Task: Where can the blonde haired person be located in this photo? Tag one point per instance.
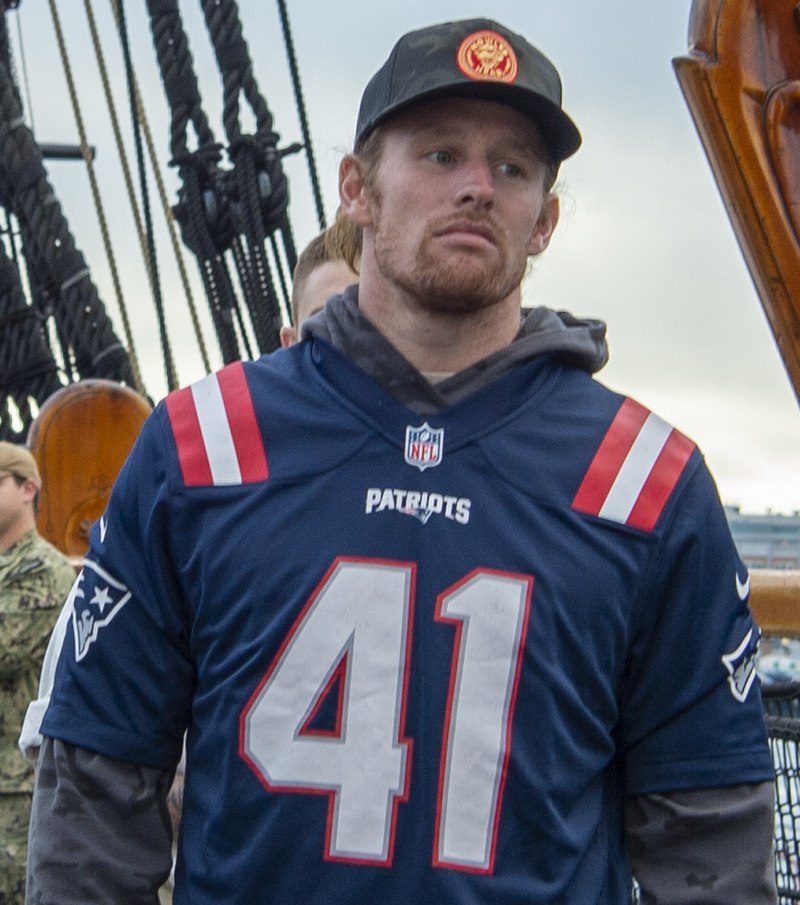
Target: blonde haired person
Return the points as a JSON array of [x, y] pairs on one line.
[[325, 267]]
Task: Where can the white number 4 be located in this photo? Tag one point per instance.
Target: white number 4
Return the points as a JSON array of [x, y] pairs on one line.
[[356, 630]]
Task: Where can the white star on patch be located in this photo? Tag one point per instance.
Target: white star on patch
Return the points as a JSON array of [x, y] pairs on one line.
[[102, 598]]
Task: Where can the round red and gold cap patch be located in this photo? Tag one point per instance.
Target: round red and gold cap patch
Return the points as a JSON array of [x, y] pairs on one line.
[[486, 56]]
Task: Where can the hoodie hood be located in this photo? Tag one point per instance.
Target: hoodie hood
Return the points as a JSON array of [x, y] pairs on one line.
[[579, 342]]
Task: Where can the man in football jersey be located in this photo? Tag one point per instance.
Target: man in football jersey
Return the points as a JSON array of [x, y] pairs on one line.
[[444, 619]]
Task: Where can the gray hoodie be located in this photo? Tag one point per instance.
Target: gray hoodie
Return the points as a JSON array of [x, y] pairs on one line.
[[581, 342]]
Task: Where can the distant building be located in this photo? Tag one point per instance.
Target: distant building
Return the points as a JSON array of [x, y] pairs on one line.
[[767, 541]]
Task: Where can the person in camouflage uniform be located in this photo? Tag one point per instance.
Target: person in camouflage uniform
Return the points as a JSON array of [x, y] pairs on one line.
[[35, 579]]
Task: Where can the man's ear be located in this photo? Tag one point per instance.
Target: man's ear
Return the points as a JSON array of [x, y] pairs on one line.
[[288, 336], [352, 193], [29, 489], [548, 219]]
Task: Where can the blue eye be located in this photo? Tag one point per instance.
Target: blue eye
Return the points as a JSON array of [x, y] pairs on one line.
[[440, 156], [511, 169]]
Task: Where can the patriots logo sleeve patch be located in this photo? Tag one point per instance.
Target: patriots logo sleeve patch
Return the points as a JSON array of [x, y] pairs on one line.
[[96, 598], [216, 432], [635, 469]]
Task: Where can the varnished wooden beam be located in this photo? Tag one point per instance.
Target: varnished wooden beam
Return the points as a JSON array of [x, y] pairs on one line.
[[741, 81], [775, 600]]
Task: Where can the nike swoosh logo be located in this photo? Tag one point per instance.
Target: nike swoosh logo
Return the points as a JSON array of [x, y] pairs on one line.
[[742, 587], [104, 528]]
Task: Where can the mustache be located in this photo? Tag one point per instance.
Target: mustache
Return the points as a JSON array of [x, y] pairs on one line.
[[482, 225]]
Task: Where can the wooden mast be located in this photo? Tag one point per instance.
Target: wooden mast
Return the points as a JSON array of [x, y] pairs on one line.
[[741, 81]]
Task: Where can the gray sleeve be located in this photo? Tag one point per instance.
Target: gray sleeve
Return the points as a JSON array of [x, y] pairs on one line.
[[710, 846], [100, 832]]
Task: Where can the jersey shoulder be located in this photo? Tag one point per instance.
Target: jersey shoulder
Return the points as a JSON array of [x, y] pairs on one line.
[[636, 464], [254, 421], [606, 455]]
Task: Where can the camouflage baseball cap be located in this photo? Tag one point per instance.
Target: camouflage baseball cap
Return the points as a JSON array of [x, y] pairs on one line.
[[470, 58], [17, 460]]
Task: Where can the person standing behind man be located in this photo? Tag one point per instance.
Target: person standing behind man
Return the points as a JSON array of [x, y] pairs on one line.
[[325, 267], [35, 579]]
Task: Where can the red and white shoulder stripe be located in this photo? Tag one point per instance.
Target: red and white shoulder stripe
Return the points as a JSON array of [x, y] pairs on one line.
[[635, 469], [216, 432]]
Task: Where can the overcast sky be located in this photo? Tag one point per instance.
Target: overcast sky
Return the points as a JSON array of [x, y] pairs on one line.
[[644, 241]]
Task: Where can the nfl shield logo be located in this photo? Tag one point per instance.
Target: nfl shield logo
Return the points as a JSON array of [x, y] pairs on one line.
[[424, 446]]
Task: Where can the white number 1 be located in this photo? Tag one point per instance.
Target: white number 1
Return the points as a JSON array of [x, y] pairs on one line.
[[356, 630]]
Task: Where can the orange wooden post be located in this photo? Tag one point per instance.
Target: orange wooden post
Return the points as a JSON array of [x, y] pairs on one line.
[[775, 600], [80, 439]]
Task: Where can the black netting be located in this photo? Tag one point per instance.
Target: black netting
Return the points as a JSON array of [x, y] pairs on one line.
[[782, 706]]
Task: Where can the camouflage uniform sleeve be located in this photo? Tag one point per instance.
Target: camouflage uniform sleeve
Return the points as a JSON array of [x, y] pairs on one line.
[[30, 737], [704, 846], [100, 831], [34, 583], [35, 579]]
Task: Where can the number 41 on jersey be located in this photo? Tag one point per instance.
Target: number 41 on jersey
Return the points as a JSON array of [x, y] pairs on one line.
[[356, 630]]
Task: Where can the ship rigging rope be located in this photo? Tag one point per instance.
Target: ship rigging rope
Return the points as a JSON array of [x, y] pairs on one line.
[[142, 120], [177, 250], [144, 236], [301, 114], [59, 278], [87, 156], [166, 349], [8, 60], [25, 81], [202, 209], [257, 185], [123, 157], [28, 369], [239, 213]]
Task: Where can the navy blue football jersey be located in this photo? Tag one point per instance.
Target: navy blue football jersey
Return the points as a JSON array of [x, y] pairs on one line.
[[417, 660]]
